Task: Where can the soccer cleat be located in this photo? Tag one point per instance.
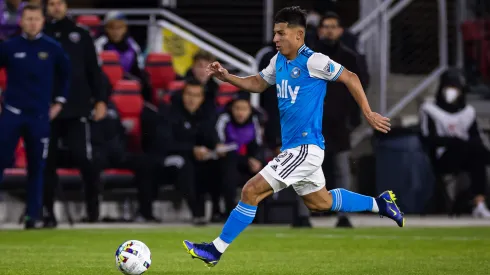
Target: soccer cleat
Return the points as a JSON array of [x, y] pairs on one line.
[[205, 252], [388, 208]]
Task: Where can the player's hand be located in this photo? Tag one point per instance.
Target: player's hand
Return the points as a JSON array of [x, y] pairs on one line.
[[200, 152], [378, 122], [255, 165], [55, 110], [100, 111], [215, 69]]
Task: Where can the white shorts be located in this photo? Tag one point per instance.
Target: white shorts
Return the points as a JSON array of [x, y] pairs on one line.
[[300, 167]]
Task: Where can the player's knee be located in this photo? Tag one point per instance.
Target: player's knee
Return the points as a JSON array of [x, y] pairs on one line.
[[249, 193]]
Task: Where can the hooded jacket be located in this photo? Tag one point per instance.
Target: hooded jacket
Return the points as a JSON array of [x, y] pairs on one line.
[[246, 135], [447, 125]]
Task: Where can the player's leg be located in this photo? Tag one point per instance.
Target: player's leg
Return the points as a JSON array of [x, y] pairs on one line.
[[254, 191], [10, 133], [51, 178], [318, 199], [36, 138]]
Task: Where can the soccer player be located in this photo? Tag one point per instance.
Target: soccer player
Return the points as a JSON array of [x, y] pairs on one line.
[[301, 77], [32, 61]]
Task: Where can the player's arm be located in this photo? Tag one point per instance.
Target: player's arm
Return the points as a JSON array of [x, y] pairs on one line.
[[254, 83], [321, 66]]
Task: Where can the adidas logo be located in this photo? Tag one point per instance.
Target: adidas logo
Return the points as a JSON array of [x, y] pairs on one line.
[[274, 167]]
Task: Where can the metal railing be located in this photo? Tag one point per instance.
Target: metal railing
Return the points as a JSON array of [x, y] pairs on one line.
[[201, 38], [367, 27]]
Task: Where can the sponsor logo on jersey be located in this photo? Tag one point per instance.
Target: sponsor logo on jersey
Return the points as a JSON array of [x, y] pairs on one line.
[[286, 91], [329, 68]]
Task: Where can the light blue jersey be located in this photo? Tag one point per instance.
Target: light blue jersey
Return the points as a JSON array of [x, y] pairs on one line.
[[301, 88]]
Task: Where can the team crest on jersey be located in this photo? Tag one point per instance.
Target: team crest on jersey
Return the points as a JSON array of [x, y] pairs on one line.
[[295, 72], [330, 68], [74, 37], [42, 55]]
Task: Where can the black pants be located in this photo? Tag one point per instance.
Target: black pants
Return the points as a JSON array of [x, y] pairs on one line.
[[74, 134], [233, 171], [190, 177], [142, 167], [470, 158]]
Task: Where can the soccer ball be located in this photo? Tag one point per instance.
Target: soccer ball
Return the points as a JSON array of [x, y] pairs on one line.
[[133, 258]]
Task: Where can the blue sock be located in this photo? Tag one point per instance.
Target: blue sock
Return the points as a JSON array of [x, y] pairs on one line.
[[347, 201], [239, 219]]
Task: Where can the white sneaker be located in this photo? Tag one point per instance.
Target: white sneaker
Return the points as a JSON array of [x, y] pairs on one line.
[[481, 211]]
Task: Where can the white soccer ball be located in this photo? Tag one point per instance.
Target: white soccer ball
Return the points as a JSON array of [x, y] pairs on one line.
[[133, 258]]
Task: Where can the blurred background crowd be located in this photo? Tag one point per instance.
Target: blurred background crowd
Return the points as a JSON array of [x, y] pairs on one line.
[[145, 134]]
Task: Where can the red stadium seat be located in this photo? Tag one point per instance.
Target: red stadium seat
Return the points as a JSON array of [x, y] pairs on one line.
[[89, 20], [226, 93], [159, 68], [129, 102], [173, 88], [3, 79], [111, 66], [92, 22]]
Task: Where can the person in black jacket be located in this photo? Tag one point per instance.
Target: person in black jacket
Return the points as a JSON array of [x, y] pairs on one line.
[[187, 139], [340, 108], [451, 134], [72, 127]]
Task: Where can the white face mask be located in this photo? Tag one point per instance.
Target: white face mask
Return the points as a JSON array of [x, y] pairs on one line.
[[450, 94]]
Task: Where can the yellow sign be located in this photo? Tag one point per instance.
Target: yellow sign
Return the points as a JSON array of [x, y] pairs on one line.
[[181, 50]]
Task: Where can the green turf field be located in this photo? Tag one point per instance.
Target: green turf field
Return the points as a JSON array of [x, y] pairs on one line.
[[259, 250]]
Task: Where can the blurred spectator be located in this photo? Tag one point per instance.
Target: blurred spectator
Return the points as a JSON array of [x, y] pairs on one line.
[[33, 61], [10, 13], [186, 140], [110, 149], [117, 38], [198, 72], [451, 133], [312, 22], [339, 108], [238, 125], [72, 128]]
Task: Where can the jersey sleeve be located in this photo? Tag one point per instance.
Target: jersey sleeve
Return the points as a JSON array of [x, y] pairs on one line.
[[269, 73], [322, 67]]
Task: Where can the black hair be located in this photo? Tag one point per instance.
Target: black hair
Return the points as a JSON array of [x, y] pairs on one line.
[[32, 7], [191, 81], [293, 16], [331, 15]]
